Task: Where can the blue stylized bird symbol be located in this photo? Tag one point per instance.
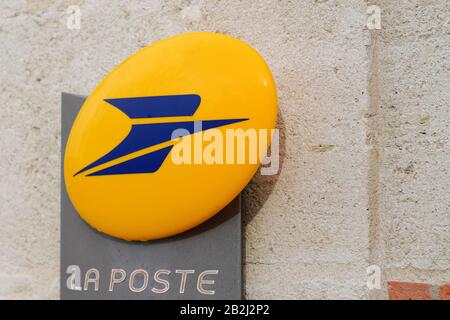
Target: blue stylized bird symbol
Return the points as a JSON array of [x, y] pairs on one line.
[[146, 135]]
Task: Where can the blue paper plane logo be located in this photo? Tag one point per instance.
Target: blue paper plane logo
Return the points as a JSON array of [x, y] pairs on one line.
[[146, 135]]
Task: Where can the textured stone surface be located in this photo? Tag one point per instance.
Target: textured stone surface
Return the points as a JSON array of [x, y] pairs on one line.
[[414, 204], [309, 239], [364, 123]]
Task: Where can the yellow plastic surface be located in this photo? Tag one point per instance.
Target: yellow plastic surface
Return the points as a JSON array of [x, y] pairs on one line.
[[232, 80]]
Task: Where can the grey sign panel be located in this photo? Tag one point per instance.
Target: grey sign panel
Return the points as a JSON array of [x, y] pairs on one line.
[[203, 263]]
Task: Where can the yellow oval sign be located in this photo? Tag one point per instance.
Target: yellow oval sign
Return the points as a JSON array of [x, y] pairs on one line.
[[167, 139]]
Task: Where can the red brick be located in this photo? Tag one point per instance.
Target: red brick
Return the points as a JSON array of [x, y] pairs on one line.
[[399, 290], [445, 292]]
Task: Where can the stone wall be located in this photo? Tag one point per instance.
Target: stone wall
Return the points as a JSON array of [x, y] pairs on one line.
[[364, 120]]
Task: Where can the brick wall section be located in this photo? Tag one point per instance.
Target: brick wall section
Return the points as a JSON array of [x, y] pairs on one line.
[[409, 291], [399, 290], [445, 292]]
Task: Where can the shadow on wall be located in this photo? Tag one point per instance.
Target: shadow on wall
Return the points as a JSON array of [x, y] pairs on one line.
[[257, 192], [260, 187]]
